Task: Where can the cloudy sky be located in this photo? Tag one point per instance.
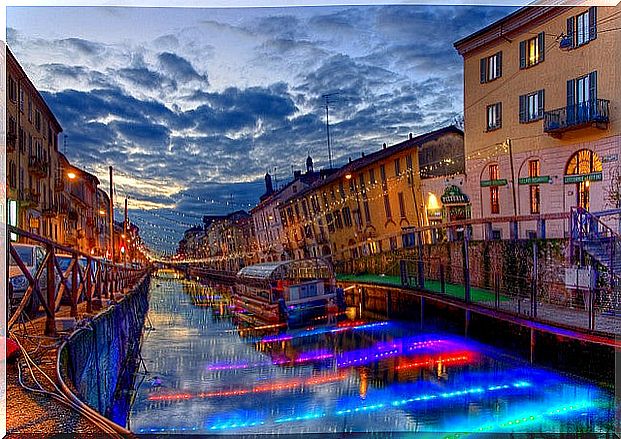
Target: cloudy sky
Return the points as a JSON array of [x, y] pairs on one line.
[[193, 106]]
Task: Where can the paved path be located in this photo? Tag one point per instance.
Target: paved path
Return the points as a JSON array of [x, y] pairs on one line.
[[546, 312], [30, 412]]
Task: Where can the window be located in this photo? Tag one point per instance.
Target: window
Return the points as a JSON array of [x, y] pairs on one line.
[[21, 100], [532, 51], [29, 110], [494, 190], [408, 165], [535, 201], [372, 176], [361, 184], [347, 217], [330, 222], [367, 212], [582, 28], [531, 106], [491, 67], [341, 190], [12, 89], [581, 97], [383, 173], [401, 205], [397, 167], [494, 116], [38, 120], [338, 222], [387, 207]]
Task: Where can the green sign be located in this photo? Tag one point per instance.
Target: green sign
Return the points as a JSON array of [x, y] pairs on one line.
[[487, 183], [535, 180], [578, 178], [453, 195]]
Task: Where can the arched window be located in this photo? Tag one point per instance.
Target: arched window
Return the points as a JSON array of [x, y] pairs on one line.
[[584, 161]]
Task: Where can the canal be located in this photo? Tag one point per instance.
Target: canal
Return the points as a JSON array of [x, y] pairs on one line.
[[207, 374]]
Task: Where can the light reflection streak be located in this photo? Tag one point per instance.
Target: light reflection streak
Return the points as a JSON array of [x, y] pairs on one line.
[[319, 331]]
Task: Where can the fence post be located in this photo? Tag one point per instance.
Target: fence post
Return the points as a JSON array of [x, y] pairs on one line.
[[535, 280], [74, 287], [442, 281], [89, 285], [50, 321], [403, 268], [466, 266], [497, 290], [421, 275]]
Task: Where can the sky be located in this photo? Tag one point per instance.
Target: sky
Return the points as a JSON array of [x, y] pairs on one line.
[[192, 106]]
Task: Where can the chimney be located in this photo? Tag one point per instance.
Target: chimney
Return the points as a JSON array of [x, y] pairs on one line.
[[410, 136], [297, 174], [362, 153], [269, 189], [350, 160], [384, 146]]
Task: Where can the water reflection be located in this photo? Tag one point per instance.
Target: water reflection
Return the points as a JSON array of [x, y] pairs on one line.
[[218, 376]]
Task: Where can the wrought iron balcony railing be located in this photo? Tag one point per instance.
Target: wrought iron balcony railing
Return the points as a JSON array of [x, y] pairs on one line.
[[575, 116], [37, 166]]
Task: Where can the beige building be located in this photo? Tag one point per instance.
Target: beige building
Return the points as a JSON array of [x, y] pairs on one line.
[[541, 108], [363, 207], [31, 161]]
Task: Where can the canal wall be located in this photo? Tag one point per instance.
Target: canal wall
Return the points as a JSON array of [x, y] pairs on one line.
[[542, 345], [98, 360]]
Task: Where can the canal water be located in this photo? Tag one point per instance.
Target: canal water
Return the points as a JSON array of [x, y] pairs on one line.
[[207, 373]]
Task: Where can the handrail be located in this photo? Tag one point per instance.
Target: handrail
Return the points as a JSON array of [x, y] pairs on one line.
[[49, 283]]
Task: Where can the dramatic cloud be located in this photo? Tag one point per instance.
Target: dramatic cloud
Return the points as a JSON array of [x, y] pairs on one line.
[[195, 107]]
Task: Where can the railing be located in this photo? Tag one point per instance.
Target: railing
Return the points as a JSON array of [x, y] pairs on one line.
[[594, 111], [85, 279], [37, 166]]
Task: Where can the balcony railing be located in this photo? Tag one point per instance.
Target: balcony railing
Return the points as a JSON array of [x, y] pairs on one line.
[[575, 116], [37, 166]]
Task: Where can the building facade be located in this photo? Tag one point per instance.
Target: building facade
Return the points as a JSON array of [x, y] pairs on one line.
[[541, 111]]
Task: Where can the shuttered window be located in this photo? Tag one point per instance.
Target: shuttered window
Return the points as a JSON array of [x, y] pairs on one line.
[[491, 67], [532, 51], [532, 106], [494, 116]]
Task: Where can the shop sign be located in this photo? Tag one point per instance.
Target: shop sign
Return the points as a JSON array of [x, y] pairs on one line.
[[453, 195], [578, 178], [34, 222], [610, 158], [488, 183], [535, 180]]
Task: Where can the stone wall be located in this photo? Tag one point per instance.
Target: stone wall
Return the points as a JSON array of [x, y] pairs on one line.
[[98, 359]]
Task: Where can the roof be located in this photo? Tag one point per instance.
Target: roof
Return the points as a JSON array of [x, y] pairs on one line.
[[516, 21], [11, 57], [294, 269], [383, 153]]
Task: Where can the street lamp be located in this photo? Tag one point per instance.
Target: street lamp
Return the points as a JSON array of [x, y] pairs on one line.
[[71, 175]]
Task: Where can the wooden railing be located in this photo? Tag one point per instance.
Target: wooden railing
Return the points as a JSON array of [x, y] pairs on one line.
[[86, 278]]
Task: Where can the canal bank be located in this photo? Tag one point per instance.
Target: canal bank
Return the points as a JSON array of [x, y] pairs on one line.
[[590, 354], [209, 375]]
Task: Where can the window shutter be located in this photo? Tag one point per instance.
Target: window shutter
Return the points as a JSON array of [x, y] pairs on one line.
[[498, 114], [499, 64], [592, 23], [571, 100], [541, 42], [483, 70], [570, 30], [523, 108], [540, 107], [593, 86], [522, 54]]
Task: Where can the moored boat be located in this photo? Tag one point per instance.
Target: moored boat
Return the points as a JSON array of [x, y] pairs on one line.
[[292, 292]]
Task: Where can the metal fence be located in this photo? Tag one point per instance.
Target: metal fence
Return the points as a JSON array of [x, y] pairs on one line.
[[46, 285]]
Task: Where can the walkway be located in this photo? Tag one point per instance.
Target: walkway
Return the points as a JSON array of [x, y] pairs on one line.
[[546, 312]]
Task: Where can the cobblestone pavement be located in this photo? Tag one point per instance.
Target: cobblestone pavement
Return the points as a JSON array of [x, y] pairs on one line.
[[30, 412]]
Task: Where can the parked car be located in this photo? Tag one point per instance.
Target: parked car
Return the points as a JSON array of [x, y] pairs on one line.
[[32, 256]]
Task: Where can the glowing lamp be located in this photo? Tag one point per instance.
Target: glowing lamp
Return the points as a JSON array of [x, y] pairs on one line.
[[348, 176], [71, 175]]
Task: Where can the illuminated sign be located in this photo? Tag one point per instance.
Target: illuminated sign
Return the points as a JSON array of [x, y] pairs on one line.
[[535, 180], [578, 178], [489, 183], [453, 195]]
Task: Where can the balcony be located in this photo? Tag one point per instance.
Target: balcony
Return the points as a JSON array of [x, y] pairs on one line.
[[591, 113], [29, 198], [37, 166]]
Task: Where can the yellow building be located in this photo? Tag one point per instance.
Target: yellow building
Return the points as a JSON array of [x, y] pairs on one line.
[[31, 161], [362, 207], [541, 109]]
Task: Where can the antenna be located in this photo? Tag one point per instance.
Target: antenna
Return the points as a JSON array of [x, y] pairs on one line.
[[329, 98]]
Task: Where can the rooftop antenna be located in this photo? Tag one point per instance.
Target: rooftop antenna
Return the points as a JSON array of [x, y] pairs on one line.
[[329, 99]]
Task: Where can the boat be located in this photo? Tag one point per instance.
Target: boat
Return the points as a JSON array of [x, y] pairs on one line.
[[295, 292]]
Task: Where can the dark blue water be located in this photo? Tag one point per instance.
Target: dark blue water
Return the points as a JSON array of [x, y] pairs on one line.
[[346, 377]]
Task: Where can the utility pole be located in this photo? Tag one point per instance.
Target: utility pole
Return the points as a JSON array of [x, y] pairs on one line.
[[111, 219], [329, 98], [515, 211]]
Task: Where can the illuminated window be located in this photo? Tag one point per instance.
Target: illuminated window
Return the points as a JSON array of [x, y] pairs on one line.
[[535, 198], [397, 167], [531, 106], [532, 51], [494, 190]]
